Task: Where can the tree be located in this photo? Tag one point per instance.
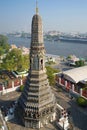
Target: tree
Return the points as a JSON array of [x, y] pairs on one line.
[[81, 101], [4, 46], [14, 60], [25, 62], [1, 51], [21, 88], [50, 73], [69, 57], [80, 63]]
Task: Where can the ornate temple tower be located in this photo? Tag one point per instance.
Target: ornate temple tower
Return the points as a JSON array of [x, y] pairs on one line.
[[36, 105]]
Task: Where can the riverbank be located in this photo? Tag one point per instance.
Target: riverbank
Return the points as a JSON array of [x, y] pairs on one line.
[[55, 48]]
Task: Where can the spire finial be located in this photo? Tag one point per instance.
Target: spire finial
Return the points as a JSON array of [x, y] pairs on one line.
[[36, 7]]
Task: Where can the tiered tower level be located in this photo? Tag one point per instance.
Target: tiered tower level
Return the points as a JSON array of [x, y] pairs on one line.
[[36, 106]]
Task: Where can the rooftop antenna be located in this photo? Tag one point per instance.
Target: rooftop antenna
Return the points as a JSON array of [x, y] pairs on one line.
[[36, 7]]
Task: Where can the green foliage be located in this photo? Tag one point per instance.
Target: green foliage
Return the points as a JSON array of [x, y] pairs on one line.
[[21, 88], [14, 60], [1, 51], [85, 87], [69, 57], [50, 62], [50, 73], [4, 46], [81, 101], [25, 62], [60, 90], [80, 63]]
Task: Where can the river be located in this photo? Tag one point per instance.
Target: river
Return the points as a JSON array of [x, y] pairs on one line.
[[60, 48]]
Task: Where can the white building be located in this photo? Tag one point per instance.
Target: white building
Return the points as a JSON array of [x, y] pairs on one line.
[[70, 79]]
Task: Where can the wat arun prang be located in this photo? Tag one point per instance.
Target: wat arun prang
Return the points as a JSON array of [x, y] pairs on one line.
[[36, 105]]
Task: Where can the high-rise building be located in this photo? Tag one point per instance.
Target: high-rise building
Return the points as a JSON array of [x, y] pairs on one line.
[[36, 105]]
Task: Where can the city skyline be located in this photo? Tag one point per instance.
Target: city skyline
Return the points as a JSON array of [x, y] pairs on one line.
[[66, 16]]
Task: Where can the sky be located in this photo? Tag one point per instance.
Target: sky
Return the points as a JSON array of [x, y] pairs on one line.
[[59, 15]]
